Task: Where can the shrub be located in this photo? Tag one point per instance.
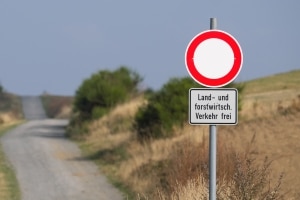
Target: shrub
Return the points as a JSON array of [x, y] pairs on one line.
[[77, 128], [103, 90], [98, 94], [167, 108]]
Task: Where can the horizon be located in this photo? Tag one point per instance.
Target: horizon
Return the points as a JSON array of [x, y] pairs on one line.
[[238, 82]]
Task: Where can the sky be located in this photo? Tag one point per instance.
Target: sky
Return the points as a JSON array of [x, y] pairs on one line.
[[52, 46]]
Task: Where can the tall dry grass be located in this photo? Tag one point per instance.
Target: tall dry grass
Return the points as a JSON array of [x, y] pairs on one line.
[[177, 167], [240, 175]]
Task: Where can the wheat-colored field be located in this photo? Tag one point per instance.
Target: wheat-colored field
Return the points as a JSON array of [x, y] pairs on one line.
[[268, 127]]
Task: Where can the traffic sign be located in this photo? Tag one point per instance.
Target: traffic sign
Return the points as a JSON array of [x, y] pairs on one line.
[[213, 58], [213, 106]]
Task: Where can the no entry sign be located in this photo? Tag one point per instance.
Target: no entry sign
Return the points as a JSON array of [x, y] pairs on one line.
[[213, 58]]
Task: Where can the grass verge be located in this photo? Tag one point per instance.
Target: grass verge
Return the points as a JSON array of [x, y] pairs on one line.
[[107, 166], [9, 188]]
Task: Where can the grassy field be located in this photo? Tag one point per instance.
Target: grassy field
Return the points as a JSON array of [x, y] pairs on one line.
[[265, 96], [277, 82], [263, 144]]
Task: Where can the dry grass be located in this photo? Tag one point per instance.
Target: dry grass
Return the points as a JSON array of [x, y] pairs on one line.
[[112, 134], [168, 164], [263, 96], [240, 175], [266, 104], [176, 168], [285, 81], [7, 118]]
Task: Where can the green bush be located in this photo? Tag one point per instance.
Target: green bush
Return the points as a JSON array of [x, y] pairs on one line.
[[98, 94], [77, 128], [167, 108], [103, 90]]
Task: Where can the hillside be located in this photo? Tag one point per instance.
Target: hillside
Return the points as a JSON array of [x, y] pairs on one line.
[[267, 127], [264, 96], [283, 81], [165, 168]]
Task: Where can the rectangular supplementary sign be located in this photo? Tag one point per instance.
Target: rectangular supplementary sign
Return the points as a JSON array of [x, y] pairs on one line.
[[213, 106]]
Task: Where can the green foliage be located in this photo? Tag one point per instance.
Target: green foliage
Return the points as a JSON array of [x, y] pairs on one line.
[[98, 94], [167, 108], [103, 90], [77, 128]]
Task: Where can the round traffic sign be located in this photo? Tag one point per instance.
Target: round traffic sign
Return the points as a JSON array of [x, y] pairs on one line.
[[213, 58]]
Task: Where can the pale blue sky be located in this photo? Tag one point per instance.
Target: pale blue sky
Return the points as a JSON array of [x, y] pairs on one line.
[[53, 45]]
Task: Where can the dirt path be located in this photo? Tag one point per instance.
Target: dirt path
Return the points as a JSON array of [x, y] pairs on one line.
[[48, 166]]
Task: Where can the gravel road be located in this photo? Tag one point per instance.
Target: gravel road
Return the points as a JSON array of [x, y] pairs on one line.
[[48, 166]]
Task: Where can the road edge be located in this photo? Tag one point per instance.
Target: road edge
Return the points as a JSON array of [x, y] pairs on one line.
[[12, 189]]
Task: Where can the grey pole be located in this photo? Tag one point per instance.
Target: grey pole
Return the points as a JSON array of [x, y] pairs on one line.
[[212, 162], [213, 23], [213, 146]]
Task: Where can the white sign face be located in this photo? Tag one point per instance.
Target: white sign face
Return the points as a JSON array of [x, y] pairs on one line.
[[214, 58], [213, 106]]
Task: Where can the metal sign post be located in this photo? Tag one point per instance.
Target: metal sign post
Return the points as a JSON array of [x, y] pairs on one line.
[[212, 162], [213, 58], [213, 146]]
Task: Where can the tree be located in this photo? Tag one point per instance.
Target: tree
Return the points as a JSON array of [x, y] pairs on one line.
[[103, 90]]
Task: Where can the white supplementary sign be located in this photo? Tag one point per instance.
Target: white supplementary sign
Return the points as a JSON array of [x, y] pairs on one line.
[[213, 106]]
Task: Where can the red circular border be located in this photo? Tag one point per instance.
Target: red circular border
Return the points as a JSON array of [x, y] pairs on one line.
[[209, 82]]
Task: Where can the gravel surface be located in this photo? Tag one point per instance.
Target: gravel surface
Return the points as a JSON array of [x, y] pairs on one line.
[[48, 166]]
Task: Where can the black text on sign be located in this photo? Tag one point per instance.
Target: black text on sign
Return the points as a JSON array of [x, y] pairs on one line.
[[213, 106]]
